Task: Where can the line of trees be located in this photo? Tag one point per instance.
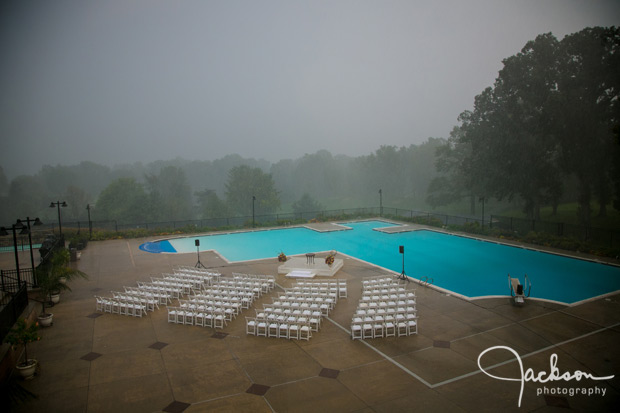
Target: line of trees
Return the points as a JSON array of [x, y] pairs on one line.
[[179, 189], [550, 124]]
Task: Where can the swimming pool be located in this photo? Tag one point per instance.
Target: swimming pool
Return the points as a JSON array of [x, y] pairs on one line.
[[470, 267]]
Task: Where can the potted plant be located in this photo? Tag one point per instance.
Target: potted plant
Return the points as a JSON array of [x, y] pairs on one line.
[[22, 334], [53, 277], [282, 257]]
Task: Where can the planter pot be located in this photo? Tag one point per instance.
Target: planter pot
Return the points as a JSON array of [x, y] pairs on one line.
[[55, 298], [45, 320], [62, 280], [28, 369]]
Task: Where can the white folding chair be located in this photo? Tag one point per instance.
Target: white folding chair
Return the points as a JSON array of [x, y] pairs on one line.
[[356, 331], [250, 326], [305, 332], [283, 330], [272, 330], [261, 328]]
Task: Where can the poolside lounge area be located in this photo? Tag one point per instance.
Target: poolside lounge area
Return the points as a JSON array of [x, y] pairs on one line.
[[101, 362]]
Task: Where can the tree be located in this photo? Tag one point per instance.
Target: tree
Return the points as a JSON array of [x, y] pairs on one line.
[[244, 182], [125, 201], [210, 205], [586, 110], [306, 204], [170, 194]]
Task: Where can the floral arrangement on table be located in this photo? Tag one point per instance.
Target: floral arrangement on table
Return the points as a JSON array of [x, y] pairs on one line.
[[282, 257], [329, 260]]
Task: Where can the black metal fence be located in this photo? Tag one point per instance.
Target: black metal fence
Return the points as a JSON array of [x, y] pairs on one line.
[[13, 300]]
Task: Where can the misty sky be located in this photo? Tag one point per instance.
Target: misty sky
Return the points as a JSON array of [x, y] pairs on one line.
[[123, 81]]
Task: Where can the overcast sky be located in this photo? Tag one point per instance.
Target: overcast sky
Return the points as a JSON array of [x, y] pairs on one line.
[[123, 81]]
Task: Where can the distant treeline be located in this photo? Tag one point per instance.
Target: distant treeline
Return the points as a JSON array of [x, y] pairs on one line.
[[180, 189]]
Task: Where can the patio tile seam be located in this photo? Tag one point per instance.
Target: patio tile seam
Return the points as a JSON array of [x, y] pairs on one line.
[[386, 357], [533, 353]]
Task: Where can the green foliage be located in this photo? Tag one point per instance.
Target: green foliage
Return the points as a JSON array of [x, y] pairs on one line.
[[125, 201], [51, 272], [306, 204], [243, 184], [210, 205], [22, 334]]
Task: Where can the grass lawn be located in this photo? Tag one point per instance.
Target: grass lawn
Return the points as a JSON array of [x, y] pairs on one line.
[[567, 213]]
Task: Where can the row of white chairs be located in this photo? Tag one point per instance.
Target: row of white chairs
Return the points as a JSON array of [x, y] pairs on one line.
[[185, 286], [378, 329], [269, 279], [244, 299], [259, 287], [230, 308], [307, 316], [197, 281], [174, 292], [121, 307], [385, 304], [295, 330], [383, 311], [213, 319], [161, 296], [256, 292], [378, 280], [324, 307], [197, 271], [148, 302], [206, 276], [300, 298]]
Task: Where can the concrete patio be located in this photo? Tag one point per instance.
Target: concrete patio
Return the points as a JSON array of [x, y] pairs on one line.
[[93, 362]]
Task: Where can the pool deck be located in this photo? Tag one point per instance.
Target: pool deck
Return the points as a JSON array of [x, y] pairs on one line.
[[109, 363]]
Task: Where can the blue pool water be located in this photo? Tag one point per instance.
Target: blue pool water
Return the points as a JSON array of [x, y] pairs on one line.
[[466, 266]]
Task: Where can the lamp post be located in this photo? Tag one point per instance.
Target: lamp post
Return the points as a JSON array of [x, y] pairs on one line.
[[253, 200], [380, 203], [35, 222], [59, 204], [90, 223], [482, 199], [14, 228]]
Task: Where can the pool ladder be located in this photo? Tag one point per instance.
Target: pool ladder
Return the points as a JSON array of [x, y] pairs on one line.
[[426, 281]]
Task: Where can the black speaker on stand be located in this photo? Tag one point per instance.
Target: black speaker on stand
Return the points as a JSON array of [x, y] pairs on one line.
[[402, 275], [198, 264]]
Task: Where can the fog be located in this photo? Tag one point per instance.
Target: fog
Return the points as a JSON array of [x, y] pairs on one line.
[[119, 82]]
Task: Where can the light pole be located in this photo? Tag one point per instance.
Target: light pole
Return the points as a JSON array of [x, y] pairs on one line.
[[59, 204], [35, 222], [90, 223], [482, 200], [253, 200], [14, 228], [380, 203]]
